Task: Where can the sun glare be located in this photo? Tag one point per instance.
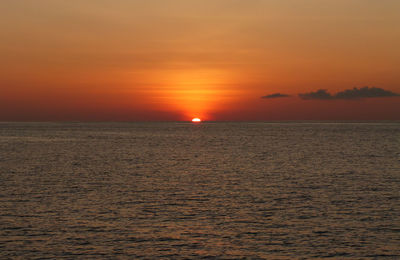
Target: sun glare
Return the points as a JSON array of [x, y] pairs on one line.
[[196, 120]]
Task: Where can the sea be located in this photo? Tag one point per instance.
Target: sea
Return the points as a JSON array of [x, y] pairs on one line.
[[213, 190]]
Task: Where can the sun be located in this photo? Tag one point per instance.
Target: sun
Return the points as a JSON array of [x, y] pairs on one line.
[[196, 120]]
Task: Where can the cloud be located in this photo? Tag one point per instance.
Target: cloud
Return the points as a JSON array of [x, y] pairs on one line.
[[355, 93], [276, 95], [319, 94], [365, 92]]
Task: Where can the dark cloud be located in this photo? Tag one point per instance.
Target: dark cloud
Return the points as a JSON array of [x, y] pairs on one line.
[[276, 95], [355, 93], [365, 92], [319, 94]]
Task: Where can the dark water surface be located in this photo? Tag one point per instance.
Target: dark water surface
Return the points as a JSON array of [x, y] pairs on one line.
[[178, 190]]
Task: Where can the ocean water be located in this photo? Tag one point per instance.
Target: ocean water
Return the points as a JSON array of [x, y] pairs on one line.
[[212, 190]]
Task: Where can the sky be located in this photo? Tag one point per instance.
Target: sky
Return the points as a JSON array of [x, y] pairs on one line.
[[220, 60]]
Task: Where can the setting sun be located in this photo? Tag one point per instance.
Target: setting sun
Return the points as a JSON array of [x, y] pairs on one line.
[[196, 120]]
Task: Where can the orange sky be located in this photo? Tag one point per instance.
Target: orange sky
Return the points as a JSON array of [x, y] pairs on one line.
[[176, 59]]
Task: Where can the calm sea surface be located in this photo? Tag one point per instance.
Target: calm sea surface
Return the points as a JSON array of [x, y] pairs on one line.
[[179, 190]]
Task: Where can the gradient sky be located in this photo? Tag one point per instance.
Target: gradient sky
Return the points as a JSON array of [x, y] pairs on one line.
[[178, 59]]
